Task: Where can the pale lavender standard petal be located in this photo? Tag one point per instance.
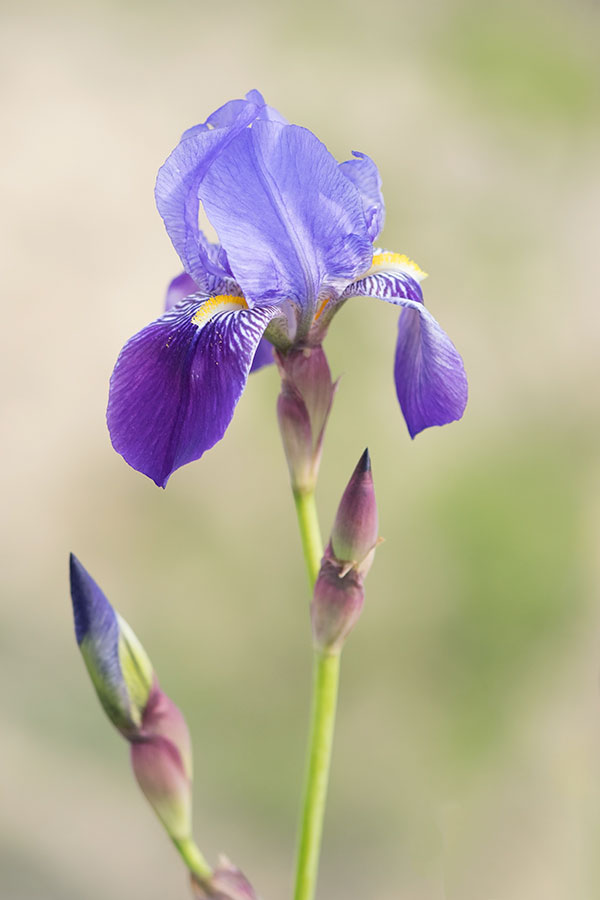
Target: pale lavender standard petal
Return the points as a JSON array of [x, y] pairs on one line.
[[176, 193], [364, 174], [177, 382], [290, 222], [431, 383]]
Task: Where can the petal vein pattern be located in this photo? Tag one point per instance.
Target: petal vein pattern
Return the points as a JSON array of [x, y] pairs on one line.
[[431, 383], [289, 221], [177, 382]]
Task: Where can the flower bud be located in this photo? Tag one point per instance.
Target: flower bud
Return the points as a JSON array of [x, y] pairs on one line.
[[355, 530], [339, 591], [303, 407], [337, 602], [227, 883], [128, 690], [118, 665]]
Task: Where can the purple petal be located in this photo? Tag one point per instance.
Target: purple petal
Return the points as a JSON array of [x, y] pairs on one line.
[[263, 356], [93, 614], [266, 111], [180, 288], [177, 382], [176, 193], [97, 632], [364, 175], [227, 114], [183, 286], [290, 222], [430, 378]]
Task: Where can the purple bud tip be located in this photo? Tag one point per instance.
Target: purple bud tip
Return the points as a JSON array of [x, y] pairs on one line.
[[91, 610], [355, 529], [364, 463]]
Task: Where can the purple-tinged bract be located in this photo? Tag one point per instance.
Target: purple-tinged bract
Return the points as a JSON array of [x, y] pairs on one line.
[[355, 530], [295, 241]]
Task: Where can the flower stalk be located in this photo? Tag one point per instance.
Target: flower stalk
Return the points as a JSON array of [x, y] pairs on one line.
[[320, 745]]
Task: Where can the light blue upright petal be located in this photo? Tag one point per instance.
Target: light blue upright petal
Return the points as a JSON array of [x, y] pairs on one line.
[[290, 222], [364, 175], [176, 193]]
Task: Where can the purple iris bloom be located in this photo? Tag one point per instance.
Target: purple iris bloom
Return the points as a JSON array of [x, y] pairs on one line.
[[296, 232]]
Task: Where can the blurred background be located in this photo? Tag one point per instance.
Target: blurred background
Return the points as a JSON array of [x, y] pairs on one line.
[[466, 762]]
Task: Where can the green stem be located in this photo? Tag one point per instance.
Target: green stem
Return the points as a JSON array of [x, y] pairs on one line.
[[193, 858], [325, 689], [324, 701], [310, 532]]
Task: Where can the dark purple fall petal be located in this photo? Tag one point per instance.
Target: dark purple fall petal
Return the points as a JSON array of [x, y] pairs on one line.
[[176, 384], [263, 356], [431, 383], [290, 222], [364, 174]]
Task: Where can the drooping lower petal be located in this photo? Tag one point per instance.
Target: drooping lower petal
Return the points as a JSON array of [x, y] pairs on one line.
[[364, 175], [290, 222], [263, 356], [176, 383], [431, 383]]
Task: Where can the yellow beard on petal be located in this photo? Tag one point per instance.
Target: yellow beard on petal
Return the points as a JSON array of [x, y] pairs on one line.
[[217, 304], [386, 261]]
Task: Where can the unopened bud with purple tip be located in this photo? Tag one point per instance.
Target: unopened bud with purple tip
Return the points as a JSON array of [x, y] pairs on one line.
[[303, 408], [126, 684], [355, 531], [339, 592]]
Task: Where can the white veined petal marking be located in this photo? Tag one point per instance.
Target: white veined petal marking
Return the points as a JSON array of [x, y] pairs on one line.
[[220, 303], [386, 261]]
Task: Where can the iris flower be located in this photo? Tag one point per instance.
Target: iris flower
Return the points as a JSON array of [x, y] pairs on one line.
[[296, 237]]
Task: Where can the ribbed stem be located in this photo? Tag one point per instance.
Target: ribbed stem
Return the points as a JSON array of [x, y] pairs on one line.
[[324, 702]]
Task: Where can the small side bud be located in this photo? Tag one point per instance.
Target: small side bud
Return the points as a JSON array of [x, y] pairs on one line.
[[117, 663], [356, 527], [227, 883], [130, 694], [337, 603], [339, 591], [303, 408]]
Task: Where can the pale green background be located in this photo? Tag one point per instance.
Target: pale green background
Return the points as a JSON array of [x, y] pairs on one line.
[[467, 756]]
